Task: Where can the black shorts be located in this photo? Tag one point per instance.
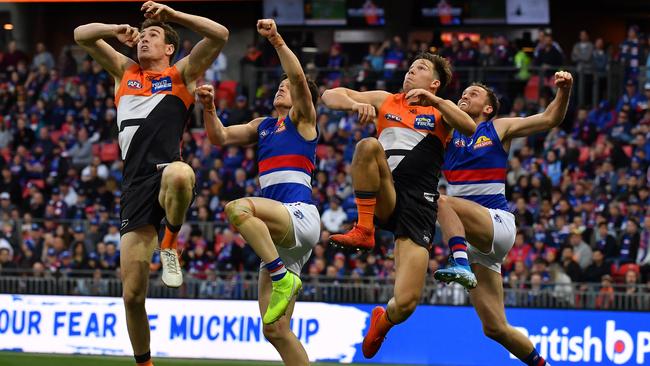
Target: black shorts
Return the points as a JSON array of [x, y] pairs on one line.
[[140, 205], [414, 216]]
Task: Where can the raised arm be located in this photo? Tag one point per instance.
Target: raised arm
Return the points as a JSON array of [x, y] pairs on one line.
[[365, 103], [91, 38], [302, 107], [205, 52], [218, 134], [509, 128], [451, 114]]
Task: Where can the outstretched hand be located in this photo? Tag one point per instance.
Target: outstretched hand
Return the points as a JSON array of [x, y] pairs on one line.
[[422, 97], [155, 11]]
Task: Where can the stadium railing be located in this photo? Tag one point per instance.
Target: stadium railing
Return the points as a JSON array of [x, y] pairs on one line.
[[346, 289]]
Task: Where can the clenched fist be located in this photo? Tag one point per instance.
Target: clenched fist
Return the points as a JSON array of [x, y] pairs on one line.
[[563, 80], [267, 28], [205, 95]]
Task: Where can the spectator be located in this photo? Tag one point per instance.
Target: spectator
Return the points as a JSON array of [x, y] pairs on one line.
[[42, 57], [571, 267], [597, 269], [605, 298], [582, 52], [12, 57], [548, 55], [581, 250], [334, 217], [629, 242], [630, 54], [81, 152]]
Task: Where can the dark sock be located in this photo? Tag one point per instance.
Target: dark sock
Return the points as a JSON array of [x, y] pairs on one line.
[[534, 359], [143, 358], [172, 228]]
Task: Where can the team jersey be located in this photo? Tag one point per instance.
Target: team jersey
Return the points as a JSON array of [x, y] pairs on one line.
[[413, 139], [152, 110], [285, 160], [475, 167]]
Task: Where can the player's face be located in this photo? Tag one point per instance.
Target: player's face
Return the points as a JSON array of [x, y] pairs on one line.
[[419, 76], [474, 101], [282, 96], [151, 45]]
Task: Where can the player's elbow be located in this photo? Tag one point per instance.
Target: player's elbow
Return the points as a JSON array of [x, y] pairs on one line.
[[79, 35], [329, 97], [217, 139]]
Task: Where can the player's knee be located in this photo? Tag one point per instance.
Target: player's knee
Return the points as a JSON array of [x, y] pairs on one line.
[[179, 176], [406, 304], [495, 331], [133, 298], [367, 147], [238, 211], [277, 331], [443, 200]]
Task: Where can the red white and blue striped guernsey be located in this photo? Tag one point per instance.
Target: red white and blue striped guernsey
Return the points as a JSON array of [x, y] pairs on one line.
[[475, 167], [285, 160]]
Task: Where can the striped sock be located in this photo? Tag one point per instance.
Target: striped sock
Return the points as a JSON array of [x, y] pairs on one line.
[[276, 269], [534, 359], [458, 247]]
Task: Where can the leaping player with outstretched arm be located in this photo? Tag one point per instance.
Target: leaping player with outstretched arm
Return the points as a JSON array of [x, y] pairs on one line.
[[154, 99], [283, 225], [475, 168], [395, 178]]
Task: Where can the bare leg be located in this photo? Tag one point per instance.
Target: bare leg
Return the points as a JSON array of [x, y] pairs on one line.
[[476, 220], [176, 191], [487, 299], [136, 251], [371, 173], [279, 333], [411, 261], [264, 223]]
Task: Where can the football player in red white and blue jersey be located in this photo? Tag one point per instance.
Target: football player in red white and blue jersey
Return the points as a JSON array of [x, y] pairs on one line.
[[283, 225], [475, 168]]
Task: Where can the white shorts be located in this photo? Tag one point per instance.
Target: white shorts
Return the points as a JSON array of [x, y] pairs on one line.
[[306, 228], [505, 231]]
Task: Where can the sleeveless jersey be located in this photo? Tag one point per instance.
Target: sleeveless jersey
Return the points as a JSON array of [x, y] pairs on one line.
[[475, 167], [413, 139], [152, 110], [285, 160]]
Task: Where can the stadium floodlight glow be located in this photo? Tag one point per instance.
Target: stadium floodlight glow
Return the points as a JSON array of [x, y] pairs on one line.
[[8, 26]]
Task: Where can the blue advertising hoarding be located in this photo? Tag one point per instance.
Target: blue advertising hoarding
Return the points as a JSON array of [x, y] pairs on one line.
[[223, 329]]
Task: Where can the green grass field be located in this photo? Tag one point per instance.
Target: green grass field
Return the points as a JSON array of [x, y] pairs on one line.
[[31, 359]]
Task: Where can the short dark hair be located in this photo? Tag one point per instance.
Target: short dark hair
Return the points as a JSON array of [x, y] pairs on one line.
[[492, 99], [313, 89], [440, 64], [171, 36]]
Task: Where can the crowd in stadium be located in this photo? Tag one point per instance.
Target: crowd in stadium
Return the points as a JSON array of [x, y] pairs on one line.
[[580, 193]]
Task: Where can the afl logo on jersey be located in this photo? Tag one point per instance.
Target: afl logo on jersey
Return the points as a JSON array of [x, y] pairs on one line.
[[134, 84], [425, 122], [162, 84], [280, 126], [482, 141], [458, 142], [393, 117]]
